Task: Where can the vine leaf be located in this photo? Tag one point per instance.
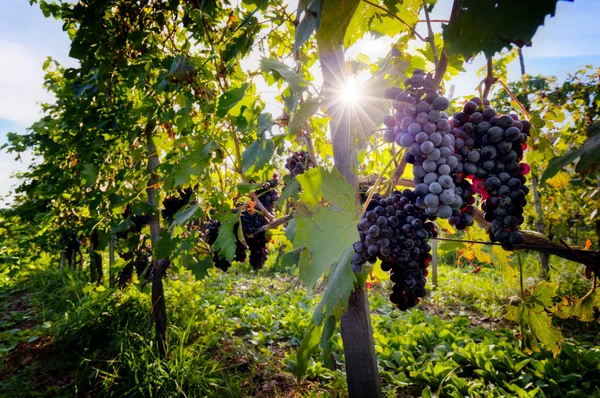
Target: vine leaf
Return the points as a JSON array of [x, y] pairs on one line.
[[309, 343], [226, 241], [326, 221], [536, 324], [229, 99], [184, 215], [339, 287], [303, 113], [588, 162], [291, 190], [309, 23], [295, 81], [257, 155], [506, 22], [582, 309], [200, 267], [90, 174], [335, 18]]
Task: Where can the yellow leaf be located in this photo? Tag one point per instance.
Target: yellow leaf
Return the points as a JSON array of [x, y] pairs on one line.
[[560, 180]]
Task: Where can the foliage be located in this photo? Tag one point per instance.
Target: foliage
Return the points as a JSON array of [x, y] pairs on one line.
[[489, 26]]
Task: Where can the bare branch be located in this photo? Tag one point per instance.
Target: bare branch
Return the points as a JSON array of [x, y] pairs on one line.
[[430, 36]]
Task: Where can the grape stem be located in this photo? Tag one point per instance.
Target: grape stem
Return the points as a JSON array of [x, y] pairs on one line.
[[374, 188], [430, 36], [391, 14], [274, 223], [489, 80]]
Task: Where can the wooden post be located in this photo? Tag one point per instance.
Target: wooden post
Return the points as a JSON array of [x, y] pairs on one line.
[[362, 374], [111, 261], [434, 264], [158, 294]]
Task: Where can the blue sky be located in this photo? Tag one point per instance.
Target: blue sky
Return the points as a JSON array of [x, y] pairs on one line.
[[563, 44]]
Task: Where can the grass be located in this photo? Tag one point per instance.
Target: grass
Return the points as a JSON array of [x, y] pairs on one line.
[[236, 334]]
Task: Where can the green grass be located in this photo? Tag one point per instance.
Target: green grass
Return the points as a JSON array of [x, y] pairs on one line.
[[236, 335]]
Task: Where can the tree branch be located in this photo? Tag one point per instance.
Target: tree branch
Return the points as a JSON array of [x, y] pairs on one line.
[[430, 36]]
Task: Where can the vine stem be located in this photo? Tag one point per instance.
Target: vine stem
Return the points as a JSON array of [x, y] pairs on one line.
[[521, 277], [430, 36], [514, 98], [489, 80], [379, 177], [391, 14]]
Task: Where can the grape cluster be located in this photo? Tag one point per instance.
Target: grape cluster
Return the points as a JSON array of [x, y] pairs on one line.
[[424, 129], [420, 85], [298, 162], [491, 147], [257, 242], [396, 231], [172, 204], [268, 194], [219, 261]]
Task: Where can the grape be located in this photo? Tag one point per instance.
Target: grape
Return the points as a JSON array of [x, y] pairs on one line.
[[414, 128], [389, 121], [445, 181], [429, 166], [389, 136], [427, 147], [405, 252], [435, 188], [470, 107], [436, 139], [406, 140], [434, 155], [441, 103], [298, 162]]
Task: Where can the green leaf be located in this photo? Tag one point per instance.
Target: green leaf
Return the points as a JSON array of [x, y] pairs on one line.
[[588, 162], [89, 174], [326, 344], [226, 241], [229, 99], [309, 343], [326, 221], [291, 190], [296, 82], [309, 22], [246, 188], [505, 22], [335, 18], [303, 113], [164, 246], [183, 216], [339, 288], [541, 327], [265, 122], [257, 155], [200, 268]]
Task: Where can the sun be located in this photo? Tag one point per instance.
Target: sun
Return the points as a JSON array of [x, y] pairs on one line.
[[350, 92]]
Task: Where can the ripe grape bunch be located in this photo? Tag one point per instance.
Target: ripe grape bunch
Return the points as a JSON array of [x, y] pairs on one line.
[[423, 128], [490, 149], [268, 194], [256, 241], [298, 162], [396, 231]]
